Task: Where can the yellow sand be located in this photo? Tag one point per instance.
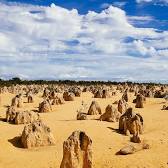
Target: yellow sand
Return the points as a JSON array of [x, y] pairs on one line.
[[106, 141]]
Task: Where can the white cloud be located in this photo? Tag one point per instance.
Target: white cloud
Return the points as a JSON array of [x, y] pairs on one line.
[[155, 2], [143, 50], [117, 4], [140, 1], [53, 42]]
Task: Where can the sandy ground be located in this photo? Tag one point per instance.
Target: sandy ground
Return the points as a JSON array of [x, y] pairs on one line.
[[106, 140]]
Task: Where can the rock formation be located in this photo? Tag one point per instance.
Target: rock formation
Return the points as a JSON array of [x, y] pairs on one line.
[[165, 107], [130, 149], [125, 96], [105, 93], [45, 107], [98, 94], [36, 134], [30, 98], [81, 116], [17, 101], [94, 109], [111, 114], [131, 123], [11, 114], [68, 96], [77, 151], [122, 106], [58, 101], [26, 117], [139, 101]]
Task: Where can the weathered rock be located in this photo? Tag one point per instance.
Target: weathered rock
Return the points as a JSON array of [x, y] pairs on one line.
[[162, 89], [113, 93], [122, 106], [98, 94], [111, 114], [11, 114], [130, 149], [45, 107], [20, 102], [30, 98], [86, 89], [82, 112], [37, 134], [134, 101], [58, 101], [68, 96], [46, 93], [159, 94], [125, 96], [131, 122], [26, 117], [77, 151], [17, 101], [115, 102], [81, 116], [77, 92], [52, 95], [105, 94], [135, 139], [149, 93], [94, 109], [165, 107], [139, 101]]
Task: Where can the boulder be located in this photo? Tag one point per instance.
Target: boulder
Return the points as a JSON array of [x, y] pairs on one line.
[[37, 134], [130, 149]]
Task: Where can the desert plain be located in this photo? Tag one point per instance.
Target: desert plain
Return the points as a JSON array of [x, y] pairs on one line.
[[106, 140]]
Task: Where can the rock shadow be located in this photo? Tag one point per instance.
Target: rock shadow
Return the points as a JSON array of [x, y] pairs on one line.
[[114, 130], [16, 141]]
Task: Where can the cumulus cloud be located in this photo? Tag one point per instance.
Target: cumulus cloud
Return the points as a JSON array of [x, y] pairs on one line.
[[56, 43]]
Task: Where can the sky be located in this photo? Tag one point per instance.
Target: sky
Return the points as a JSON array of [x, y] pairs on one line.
[[84, 40]]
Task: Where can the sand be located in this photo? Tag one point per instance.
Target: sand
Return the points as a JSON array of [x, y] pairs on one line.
[[106, 140]]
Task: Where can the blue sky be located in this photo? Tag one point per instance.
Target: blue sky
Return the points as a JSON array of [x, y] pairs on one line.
[[91, 39]]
